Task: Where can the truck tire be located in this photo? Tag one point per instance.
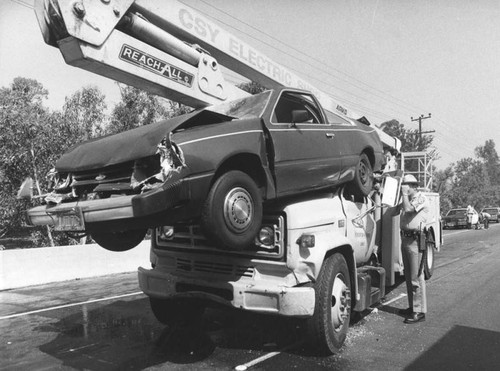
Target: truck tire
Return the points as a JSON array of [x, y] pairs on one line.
[[119, 241], [232, 213], [429, 256], [327, 328], [363, 176], [174, 312]]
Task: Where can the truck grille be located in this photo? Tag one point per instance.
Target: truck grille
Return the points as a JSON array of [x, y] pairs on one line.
[[210, 267], [187, 236]]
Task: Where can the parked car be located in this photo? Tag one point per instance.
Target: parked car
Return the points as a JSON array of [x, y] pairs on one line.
[[458, 218], [493, 211], [215, 166]]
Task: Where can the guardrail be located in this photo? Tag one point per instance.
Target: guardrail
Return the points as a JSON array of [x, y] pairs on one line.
[[29, 267]]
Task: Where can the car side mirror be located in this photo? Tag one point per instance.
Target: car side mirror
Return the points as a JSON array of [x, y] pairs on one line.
[[300, 115]]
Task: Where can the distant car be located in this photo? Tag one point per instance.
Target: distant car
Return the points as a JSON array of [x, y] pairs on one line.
[[458, 218], [214, 166], [494, 213]]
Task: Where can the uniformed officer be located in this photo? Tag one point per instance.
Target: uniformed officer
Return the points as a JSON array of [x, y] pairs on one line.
[[414, 214]]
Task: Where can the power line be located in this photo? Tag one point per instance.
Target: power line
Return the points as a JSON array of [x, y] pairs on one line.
[[308, 57], [23, 4]]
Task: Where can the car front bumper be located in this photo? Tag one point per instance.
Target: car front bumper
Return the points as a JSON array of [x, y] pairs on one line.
[[109, 210]]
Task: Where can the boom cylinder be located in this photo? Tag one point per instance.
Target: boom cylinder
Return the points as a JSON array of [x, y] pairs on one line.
[[152, 35]]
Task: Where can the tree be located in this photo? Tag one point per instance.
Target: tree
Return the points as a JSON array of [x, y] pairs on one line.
[[489, 155], [25, 143], [84, 114], [136, 108], [251, 87], [410, 139]]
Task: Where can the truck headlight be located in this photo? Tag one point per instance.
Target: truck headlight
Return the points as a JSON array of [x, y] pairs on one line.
[[266, 236]]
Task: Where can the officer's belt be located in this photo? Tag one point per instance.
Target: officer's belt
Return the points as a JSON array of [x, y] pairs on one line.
[[410, 233]]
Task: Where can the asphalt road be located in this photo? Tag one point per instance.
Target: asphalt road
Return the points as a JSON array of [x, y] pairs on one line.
[[106, 324]]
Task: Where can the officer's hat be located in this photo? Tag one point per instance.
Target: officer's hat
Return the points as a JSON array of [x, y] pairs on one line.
[[409, 179]]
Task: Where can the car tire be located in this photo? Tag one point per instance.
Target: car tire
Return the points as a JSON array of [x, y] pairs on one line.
[[430, 245], [327, 328], [363, 176], [119, 241], [232, 213], [173, 312]]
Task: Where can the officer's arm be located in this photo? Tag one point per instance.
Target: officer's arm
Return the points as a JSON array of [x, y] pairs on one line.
[[406, 204]]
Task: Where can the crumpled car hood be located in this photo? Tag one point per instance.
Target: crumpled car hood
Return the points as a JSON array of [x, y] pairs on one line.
[[132, 144]]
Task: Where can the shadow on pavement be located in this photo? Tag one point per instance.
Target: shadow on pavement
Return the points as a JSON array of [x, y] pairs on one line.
[[462, 348], [125, 335]]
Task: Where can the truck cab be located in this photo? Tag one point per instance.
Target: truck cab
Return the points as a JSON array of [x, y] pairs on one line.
[[312, 260]]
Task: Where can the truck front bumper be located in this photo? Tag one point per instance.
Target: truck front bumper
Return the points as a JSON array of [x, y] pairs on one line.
[[263, 297]]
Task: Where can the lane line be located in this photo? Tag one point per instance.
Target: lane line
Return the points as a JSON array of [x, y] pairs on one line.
[[70, 305], [393, 300], [265, 357]]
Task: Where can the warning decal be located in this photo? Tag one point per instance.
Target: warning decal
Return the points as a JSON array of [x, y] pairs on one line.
[[153, 64]]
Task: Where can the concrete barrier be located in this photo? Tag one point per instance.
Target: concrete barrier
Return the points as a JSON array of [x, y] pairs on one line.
[[28, 267]]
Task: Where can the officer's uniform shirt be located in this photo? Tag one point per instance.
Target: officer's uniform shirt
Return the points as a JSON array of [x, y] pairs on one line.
[[412, 220]]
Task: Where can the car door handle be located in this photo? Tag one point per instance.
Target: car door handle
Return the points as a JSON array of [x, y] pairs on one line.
[[330, 135]]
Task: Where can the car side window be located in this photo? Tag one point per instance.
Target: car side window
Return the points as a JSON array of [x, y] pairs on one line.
[[298, 108], [336, 119]]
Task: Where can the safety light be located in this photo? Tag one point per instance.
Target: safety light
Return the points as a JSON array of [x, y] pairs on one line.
[[266, 237], [306, 241]]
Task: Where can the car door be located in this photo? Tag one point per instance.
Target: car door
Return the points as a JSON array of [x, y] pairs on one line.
[[306, 150]]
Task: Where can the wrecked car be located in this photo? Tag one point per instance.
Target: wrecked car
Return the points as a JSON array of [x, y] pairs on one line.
[[216, 166]]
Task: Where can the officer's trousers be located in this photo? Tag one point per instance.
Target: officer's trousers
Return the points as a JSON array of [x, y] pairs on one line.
[[415, 284]]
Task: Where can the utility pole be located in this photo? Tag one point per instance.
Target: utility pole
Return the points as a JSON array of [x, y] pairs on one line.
[[420, 132]]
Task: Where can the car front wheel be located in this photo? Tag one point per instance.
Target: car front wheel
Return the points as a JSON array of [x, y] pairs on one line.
[[232, 213], [363, 176], [119, 241]]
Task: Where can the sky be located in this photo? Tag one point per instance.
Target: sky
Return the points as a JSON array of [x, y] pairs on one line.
[[385, 59]]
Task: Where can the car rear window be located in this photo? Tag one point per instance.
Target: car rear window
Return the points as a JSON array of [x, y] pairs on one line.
[[491, 211], [456, 212]]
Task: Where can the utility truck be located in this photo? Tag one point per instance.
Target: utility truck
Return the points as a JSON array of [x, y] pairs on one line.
[[264, 203]]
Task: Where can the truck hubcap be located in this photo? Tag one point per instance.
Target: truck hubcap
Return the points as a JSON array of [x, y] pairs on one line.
[[238, 209], [341, 302]]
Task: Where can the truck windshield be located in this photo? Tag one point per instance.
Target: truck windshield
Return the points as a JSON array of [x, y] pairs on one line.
[[252, 106]]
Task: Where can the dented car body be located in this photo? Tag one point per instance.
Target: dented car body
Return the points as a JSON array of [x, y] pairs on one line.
[[281, 140]]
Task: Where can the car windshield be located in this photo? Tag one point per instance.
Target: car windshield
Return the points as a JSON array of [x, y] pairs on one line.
[[456, 212], [252, 106]]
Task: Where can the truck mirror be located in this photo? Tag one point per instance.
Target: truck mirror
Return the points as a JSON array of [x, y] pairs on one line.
[[391, 187]]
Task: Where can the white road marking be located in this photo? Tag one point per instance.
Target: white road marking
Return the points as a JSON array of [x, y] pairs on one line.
[[70, 305], [260, 359], [393, 300]]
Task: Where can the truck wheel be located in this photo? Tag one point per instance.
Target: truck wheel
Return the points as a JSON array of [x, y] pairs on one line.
[[429, 257], [328, 326], [363, 176], [232, 214], [173, 312], [119, 241]]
